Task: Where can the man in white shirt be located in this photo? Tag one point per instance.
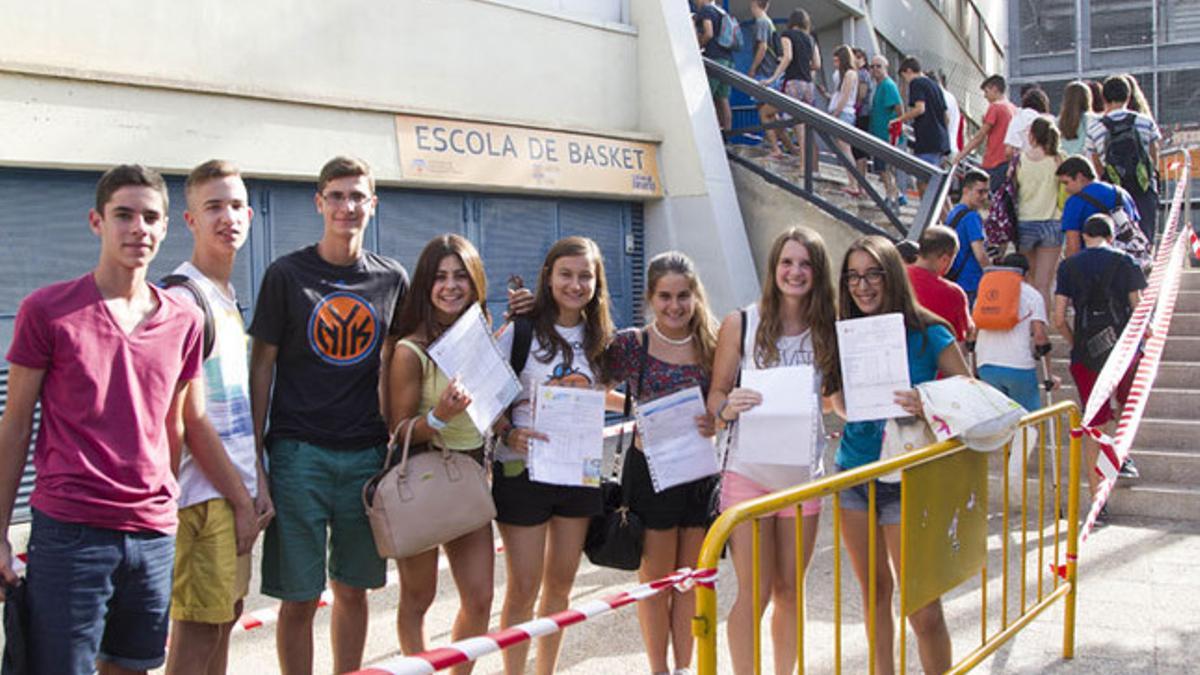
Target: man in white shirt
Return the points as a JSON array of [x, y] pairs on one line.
[[1101, 129]]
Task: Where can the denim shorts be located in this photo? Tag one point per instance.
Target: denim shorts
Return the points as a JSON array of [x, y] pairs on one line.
[[934, 158], [887, 500], [1039, 234], [1019, 384], [96, 594]]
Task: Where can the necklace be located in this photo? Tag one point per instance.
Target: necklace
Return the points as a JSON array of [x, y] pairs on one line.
[[678, 343]]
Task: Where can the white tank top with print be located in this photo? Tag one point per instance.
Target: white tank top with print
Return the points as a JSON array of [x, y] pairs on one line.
[[793, 350]]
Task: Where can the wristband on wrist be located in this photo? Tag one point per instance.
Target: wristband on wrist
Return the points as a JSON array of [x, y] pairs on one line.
[[433, 422]]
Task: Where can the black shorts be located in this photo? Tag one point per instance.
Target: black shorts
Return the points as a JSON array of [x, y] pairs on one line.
[[863, 122], [520, 501], [687, 505]]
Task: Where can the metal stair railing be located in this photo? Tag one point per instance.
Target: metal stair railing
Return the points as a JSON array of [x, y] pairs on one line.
[[818, 124]]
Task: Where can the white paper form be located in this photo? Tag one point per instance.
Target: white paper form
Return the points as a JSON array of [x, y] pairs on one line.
[[467, 351], [573, 420], [675, 451], [874, 357], [780, 429]]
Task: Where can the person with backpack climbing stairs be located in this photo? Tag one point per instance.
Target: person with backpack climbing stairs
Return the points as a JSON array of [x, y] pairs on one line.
[[1124, 148], [1103, 285]]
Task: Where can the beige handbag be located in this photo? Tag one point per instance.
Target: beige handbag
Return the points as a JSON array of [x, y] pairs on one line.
[[426, 500]]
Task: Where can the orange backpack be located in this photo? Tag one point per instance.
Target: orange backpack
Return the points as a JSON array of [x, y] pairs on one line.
[[998, 301]]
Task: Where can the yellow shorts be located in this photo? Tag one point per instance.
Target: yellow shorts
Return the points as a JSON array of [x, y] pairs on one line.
[[210, 577]]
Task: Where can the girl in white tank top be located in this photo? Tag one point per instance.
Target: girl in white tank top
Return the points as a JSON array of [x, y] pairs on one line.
[[792, 324]]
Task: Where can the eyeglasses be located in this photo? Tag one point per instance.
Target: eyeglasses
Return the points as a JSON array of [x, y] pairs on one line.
[[873, 276], [354, 199], [876, 66]]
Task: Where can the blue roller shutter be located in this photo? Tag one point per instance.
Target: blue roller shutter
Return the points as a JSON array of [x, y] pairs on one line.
[[406, 220], [513, 236], [605, 223]]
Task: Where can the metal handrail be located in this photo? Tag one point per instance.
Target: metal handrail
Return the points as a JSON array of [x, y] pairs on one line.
[[818, 123]]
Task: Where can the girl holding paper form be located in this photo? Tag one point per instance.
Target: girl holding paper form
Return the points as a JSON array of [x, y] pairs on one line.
[[679, 345], [873, 282], [449, 278], [544, 525], [789, 332]]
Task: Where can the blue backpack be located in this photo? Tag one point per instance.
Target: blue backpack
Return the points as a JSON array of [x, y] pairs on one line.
[[729, 33]]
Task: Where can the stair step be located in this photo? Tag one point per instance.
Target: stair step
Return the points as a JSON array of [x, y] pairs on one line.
[[1168, 466], [1186, 323], [1188, 301], [1178, 347], [1171, 374], [1164, 402], [1190, 281], [1137, 497]]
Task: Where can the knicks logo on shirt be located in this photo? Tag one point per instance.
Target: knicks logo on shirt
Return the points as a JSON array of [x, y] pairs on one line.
[[343, 328]]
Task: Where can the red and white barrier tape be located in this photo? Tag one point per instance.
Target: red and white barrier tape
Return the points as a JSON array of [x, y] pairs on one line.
[[1195, 241], [472, 649], [1126, 349]]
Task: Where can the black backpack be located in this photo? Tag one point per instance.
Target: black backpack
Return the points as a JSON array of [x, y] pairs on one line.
[[210, 330], [1126, 162], [1127, 233], [1100, 315], [522, 341]]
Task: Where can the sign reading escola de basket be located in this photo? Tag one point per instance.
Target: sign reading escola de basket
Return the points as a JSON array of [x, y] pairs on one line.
[[459, 152]]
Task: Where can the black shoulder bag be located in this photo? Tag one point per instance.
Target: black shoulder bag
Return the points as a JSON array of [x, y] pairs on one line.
[[614, 538]]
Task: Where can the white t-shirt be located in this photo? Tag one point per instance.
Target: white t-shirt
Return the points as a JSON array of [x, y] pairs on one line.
[[227, 388], [793, 350], [535, 372], [955, 116], [1018, 128], [1013, 348]]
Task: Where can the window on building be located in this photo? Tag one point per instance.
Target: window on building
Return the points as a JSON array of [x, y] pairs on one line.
[[1047, 26], [1179, 102], [1178, 21], [1121, 23]]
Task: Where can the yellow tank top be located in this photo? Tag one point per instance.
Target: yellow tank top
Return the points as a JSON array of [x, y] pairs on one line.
[[1037, 189], [460, 432]]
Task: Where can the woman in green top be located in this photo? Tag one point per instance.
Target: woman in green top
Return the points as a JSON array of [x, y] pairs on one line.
[[449, 278]]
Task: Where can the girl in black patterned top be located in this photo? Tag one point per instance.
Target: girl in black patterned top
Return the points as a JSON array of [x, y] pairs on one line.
[[680, 341]]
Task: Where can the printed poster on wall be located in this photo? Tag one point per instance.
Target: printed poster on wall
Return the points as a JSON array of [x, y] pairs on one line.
[[462, 152]]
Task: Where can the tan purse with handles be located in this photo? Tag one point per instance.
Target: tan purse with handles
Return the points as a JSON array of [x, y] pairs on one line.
[[426, 500]]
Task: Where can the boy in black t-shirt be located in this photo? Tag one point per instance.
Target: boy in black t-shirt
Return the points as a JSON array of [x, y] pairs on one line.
[[927, 110], [1103, 285], [322, 332]]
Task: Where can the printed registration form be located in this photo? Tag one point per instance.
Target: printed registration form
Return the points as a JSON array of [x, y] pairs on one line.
[[874, 356], [467, 351], [675, 451], [573, 420]]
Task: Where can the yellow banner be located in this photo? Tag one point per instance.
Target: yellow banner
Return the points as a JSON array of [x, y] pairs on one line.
[[944, 512], [459, 152]]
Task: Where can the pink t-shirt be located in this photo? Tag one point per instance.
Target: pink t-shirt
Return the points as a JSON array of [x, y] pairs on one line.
[[102, 457], [998, 115]]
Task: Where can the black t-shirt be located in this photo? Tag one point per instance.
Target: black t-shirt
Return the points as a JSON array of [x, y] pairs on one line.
[[329, 323], [929, 128], [712, 50], [802, 55], [1089, 265]]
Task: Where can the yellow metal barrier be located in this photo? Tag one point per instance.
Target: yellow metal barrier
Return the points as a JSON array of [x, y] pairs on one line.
[[952, 562]]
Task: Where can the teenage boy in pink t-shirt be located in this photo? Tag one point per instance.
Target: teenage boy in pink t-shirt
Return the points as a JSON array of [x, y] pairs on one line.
[[116, 365]]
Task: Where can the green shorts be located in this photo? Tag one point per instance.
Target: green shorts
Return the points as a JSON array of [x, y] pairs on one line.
[[718, 88], [318, 498]]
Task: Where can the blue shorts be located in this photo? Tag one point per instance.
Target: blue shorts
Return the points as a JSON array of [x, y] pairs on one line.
[[97, 594], [887, 500], [1039, 234], [1019, 384], [934, 158]]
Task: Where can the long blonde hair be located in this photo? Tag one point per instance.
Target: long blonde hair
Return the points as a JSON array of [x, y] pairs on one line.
[[822, 309], [702, 325]]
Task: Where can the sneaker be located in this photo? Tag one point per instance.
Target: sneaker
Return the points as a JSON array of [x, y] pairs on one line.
[[682, 671], [1102, 517], [902, 200], [1128, 469]]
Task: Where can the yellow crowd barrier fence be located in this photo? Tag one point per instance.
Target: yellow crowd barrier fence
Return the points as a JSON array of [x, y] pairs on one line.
[[943, 530]]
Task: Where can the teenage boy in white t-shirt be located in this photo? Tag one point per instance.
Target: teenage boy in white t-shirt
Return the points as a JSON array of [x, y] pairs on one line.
[[211, 577], [1007, 359]]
